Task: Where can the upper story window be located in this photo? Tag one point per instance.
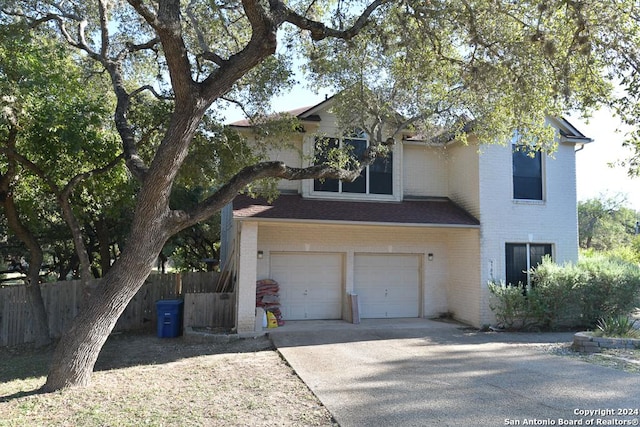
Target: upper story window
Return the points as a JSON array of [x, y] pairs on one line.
[[374, 179], [527, 173]]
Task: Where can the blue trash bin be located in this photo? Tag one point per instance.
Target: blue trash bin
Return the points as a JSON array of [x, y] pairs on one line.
[[169, 318]]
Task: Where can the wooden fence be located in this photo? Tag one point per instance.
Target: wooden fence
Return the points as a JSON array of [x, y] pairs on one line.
[[63, 299], [210, 310]]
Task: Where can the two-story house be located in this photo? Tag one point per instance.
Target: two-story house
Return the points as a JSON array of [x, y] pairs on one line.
[[419, 234]]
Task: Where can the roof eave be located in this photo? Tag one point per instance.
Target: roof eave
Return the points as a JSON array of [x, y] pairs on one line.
[[311, 111], [364, 223], [576, 140]]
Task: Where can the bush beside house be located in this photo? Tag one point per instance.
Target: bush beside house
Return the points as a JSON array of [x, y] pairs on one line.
[[568, 295]]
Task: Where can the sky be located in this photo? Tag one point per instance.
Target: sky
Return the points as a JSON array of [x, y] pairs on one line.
[[594, 174], [595, 177]]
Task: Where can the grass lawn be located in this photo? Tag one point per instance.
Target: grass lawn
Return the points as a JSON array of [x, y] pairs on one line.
[[141, 380]]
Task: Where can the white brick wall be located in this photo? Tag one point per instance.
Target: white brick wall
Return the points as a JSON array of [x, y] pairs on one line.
[[504, 220], [246, 292]]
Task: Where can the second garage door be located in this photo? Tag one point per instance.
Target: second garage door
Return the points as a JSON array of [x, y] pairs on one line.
[[310, 285], [387, 285]]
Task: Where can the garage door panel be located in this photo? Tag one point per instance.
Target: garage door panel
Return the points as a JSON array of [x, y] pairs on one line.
[[387, 285], [310, 285]]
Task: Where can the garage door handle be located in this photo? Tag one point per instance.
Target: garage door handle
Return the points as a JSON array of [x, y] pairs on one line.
[[305, 292]]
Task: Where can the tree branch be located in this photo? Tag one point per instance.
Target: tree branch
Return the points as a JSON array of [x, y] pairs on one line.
[[169, 29], [152, 90], [146, 13], [262, 44], [130, 48], [206, 52], [273, 169], [237, 104], [68, 188], [37, 170], [213, 57], [104, 29], [320, 31]]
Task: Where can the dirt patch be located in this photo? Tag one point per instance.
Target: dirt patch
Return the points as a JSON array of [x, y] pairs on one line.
[[144, 380], [625, 360]]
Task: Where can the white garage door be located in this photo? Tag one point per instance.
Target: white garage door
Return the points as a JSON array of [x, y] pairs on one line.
[[387, 285], [310, 285]]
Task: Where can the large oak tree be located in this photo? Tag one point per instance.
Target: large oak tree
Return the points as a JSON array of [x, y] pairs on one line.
[[399, 64]]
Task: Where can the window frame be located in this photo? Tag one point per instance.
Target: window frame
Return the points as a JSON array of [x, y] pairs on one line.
[[356, 135], [518, 152], [527, 271]]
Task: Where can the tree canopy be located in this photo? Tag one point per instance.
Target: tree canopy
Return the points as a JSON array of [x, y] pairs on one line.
[[429, 66], [606, 224]]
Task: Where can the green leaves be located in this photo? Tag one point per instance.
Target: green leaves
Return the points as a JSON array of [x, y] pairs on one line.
[[506, 65], [61, 113], [428, 67], [605, 223]]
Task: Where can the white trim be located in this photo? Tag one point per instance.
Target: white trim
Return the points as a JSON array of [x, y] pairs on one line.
[[543, 178], [308, 190], [532, 202], [528, 252]]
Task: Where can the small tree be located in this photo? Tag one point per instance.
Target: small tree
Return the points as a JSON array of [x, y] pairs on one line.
[[605, 223]]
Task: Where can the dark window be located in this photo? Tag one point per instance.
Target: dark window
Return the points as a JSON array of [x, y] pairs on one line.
[[521, 258], [374, 179], [527, 174], [381, 175]]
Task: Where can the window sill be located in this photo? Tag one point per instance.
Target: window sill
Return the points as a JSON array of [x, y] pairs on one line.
[[529, 202], [352, 196]]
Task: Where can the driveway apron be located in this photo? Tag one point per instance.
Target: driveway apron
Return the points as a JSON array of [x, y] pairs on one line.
[[416, 372]]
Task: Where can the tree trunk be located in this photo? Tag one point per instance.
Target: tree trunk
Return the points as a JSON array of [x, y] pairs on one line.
[[36, 302], [162, 261], [102, 233], [78, 349], [78, 242], [32, 281]]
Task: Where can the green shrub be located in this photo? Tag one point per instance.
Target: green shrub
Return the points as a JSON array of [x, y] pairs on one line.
[[511, 306], [627, 254], [569, 296], [611, 288]]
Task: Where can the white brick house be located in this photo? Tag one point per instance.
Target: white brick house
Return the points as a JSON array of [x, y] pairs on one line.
[[419, 235]]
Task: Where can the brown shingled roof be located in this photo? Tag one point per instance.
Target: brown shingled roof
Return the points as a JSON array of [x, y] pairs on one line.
[[294, 207]]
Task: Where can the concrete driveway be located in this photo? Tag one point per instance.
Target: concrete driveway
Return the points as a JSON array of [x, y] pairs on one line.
[[417, 372]]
